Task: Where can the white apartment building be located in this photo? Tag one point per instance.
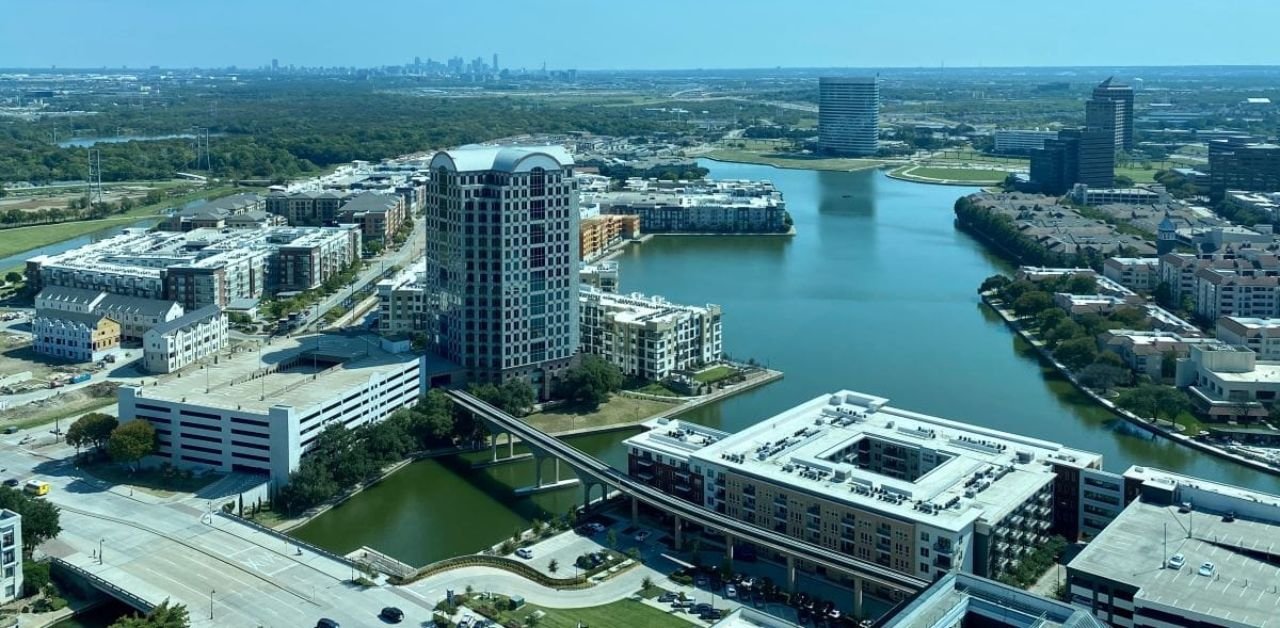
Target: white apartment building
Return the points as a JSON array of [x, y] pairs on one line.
[[1134, 273], [1144, 351], [603, 276], [402, 302], [10, 556], [1018, 141], [1260, 335], [1248, 292], [649, 337], [259, 412], [1228, 382], [914, 493], [502, 262], [134, 314], [1086, 195], [170, 346]]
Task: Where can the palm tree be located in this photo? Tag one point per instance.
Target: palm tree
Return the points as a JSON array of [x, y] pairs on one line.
[[553, 566]]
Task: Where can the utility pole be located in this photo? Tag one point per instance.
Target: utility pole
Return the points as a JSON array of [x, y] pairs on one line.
[[95, 177]]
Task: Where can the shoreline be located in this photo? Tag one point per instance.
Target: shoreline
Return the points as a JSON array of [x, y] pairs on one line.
[[1144, 424], [797, 166], [894, 174]]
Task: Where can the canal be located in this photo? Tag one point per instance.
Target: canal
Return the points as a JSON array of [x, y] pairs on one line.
[[876, 292]]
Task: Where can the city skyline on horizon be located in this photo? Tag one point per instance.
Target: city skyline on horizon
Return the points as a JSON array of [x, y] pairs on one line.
[[704, 36]]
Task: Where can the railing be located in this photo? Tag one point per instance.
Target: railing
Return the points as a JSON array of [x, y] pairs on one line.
[[105, 586], [497, 562], [285, 537]]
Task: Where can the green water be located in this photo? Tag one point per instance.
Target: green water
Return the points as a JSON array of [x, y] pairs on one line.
[[876, 293]]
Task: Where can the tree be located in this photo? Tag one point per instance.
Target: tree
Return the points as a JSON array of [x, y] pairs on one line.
[[1050, 318], [1032, 303], [994, 282], [1111, 358], [590, 382], [92, 429], [646, 583], [162, 616], [611, 538], [1154, 401], [515, 397], [35, 577], [1102, 376], [553, 566], [132, 442], [1065, 330], [1082, 284], [1077, 353], [40, 521], [1163, 294], [13, 276], [1123, 181], [1169, 364]]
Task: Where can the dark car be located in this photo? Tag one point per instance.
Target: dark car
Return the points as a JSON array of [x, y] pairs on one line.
[[711, 614], [326, 623], [392, 614], [12, 482], [667, 597]]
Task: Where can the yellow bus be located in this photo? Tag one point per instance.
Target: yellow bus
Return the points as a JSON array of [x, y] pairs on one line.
[[37, 488]]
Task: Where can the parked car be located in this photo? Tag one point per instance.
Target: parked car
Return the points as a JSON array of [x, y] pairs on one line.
[[700, 581], [642, 536], [730, 591], [1176, 561], [1206, 569], [595, 527], [667, 597], [1229, 517], [325, 622], [524, 553], [12, 482], [713, 614], [392, 614]]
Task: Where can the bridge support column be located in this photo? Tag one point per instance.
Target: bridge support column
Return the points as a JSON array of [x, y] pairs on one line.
[[537, 471], [679, 531], [857, 598], [635, 510], [791, 574], [557, 470], [728, 547], [493, 440], [511, 445]]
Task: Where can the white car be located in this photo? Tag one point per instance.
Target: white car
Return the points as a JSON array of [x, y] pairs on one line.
[[642, 536], [1176, 561], [1206, 569], [730, 590], [524, 553]]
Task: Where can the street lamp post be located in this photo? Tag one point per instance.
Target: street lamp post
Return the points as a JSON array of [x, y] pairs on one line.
[[100, 541], [211, 592]]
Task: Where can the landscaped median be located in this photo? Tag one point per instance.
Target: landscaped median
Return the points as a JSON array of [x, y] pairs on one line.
[[522, 569]]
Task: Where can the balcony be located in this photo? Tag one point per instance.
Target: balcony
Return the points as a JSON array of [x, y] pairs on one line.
[[943, 548], [644, 462]]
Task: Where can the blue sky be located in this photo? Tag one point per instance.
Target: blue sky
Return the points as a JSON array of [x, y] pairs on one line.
[[630, 34]]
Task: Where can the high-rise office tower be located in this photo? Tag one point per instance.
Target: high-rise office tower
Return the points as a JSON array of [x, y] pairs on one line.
[[275, 65], [849, 115], [1119, 120], [502, 262], [495, 62], [1096, 163]]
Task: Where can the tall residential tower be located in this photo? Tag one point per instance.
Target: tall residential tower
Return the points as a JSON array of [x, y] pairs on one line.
[[849, 115], [502, 262]]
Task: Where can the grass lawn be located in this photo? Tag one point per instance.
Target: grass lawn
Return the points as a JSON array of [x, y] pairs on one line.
[[21, 239], [656, 388], [770, 158], [29, 415], [715, 374], [953, 174], [1139, 175], [150, 479], [621, 614], [617, 410]]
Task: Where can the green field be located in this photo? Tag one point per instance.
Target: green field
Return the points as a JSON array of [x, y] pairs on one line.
[[715, 374], [617, 410], [621, 614], [931, 174], [1139, 175], [21, 239]]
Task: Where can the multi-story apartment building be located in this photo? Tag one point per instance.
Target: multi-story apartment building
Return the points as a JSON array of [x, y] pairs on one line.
[[135, 315], [502, 262], [1241, 164], [1147, 352], [917, 494], [960, 600], [1117, 116], [10, 556], [660, 456], [379, 215], [261, 414], [1180, 271], [402, 305], [649, 337], [307, 209], [1185, 551], [1260, 335], [599, 234], [76, 336], [1021, 141], [1248, 292], [603, 276], [1134, 273], [203, 266], [849, 115], [215, 213], [1229, 383], [170, 346], [700, 206]]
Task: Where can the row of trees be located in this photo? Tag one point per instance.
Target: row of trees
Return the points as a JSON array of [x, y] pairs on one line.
[[1000, 230], [277, 308]]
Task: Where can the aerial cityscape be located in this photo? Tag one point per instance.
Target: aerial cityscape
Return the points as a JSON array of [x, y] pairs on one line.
[[459, 327]]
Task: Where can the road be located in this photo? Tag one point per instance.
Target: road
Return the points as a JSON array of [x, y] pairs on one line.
[[377, 267]]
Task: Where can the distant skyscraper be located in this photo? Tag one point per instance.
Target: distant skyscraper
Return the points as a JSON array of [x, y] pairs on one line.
[[1119, 120], [275, 65], [849, 115], [495, 62], [502, 262]]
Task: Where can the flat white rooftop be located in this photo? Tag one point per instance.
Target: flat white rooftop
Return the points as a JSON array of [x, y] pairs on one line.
[[313, 369], [980, 473]]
